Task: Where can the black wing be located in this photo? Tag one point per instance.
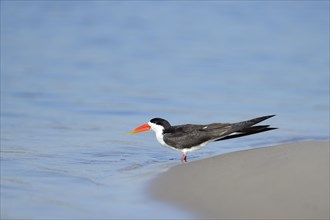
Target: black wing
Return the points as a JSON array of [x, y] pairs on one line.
[[190, 135]]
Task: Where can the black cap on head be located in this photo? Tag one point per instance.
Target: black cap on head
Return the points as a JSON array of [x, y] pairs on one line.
[[161, 122]]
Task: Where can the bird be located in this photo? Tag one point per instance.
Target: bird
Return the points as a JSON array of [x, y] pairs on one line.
[[190, 137]]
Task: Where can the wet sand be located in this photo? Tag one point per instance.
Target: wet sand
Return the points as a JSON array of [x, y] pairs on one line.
[[289, 181]]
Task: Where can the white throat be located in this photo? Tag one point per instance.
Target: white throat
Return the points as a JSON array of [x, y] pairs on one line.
[[159, 133]]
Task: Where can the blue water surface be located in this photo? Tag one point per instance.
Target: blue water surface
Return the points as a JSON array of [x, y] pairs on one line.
[[76, 76]]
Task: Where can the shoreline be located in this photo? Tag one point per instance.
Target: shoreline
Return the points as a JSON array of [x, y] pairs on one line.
[[286, 181]]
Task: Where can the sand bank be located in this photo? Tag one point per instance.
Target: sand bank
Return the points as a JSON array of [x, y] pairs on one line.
[[289, 181]]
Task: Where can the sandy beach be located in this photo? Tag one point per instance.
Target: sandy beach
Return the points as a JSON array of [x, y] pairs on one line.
[[289, 181]]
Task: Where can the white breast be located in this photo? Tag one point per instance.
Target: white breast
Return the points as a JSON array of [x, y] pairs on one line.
[[159, 134]]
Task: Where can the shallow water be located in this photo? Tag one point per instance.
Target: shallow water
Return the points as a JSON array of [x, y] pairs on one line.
[[77, 76]]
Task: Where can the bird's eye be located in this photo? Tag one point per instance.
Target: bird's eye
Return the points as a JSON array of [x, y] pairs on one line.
[[156, 121]]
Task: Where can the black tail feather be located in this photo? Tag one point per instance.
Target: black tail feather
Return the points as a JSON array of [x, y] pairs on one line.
[[248, 131], [260, 119], [245, 125]]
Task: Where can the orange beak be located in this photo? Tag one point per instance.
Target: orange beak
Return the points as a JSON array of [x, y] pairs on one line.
[[141, 128]]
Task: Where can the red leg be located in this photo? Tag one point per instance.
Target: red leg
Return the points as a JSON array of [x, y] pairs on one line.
[[184, 158]]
